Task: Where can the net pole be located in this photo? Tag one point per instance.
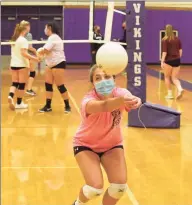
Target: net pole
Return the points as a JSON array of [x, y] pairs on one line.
[[91, 15], [109, 21]]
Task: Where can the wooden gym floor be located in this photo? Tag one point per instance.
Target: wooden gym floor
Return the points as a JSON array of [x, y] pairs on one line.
[[38, 167]]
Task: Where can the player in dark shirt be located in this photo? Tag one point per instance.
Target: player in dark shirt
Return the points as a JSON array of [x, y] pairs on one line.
[[123, 39], [170, 62], [95, 46]]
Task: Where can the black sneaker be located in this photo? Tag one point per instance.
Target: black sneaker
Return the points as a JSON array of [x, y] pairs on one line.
[[67, 110], [31, 92], [45, 109]]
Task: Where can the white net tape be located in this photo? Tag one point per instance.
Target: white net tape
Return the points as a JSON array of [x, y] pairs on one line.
[[64, 41]]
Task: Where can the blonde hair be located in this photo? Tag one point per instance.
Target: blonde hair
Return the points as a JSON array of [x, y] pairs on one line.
[[18, 29], [25, 23], [169, 34], [92, 71]]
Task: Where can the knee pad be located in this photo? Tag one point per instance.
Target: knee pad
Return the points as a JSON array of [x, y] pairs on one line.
[[91, 192], [48, 87], [116, 191], [32, 74], [15, 84], [62, 89], [21, 86]]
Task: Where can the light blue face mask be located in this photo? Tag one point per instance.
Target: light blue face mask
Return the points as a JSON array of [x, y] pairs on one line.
[[105, 87]]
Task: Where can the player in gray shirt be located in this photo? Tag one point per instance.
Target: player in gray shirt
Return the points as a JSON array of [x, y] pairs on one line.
[[32, 51]]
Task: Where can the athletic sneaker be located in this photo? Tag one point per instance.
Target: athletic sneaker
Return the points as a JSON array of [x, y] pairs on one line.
[[180, 94], [45, 109], [67, 110], [11, 103], [31, 92], [21, 106], [169, 96]]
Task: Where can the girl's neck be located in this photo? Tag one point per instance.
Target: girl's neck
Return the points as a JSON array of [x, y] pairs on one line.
[[22, 34]]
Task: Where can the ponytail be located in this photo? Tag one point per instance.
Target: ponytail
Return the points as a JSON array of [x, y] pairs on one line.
[[169, 34], [18, 29]]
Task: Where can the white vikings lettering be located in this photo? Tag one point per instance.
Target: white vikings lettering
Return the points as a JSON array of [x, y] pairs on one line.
[[137, 57], [137, 8], [137, 20], [137, 44], [137, 69], [137, 32], [137, 81]]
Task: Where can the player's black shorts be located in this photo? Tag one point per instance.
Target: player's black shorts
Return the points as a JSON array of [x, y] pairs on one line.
[[61, 65], [17, 68], [79, 149], [174, 63]]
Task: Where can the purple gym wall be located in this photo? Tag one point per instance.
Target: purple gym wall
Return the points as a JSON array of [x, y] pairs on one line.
[[76, 27], [77, 22], [156, 21], [44, 13]]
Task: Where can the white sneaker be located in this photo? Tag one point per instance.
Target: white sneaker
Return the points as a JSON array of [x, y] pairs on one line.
[[11, 103], [170, 96], [180, 94], [21, 106]]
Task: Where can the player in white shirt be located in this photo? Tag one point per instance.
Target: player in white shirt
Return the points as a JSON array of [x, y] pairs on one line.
[[55, 70], [19, 66], [32, 64]]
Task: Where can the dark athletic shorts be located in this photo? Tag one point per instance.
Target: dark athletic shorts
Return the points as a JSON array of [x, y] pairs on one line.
[[174, 63], [17, 68], [79, 149], [61, 65]]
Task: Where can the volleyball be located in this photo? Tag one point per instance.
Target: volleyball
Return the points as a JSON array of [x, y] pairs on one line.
[[39, 55], [112, 57]]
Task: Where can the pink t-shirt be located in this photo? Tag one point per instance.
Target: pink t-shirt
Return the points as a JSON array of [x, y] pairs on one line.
[[100, 131]]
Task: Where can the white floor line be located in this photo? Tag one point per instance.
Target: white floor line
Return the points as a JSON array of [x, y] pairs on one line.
[[132, 197], [42, 167], [74, 102]]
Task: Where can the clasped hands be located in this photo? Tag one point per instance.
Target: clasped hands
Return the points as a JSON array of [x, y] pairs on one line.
[[132, 102]]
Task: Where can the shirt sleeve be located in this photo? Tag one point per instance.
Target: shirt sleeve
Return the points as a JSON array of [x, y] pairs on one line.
[[49, 45], [86, 99], [121, 92], [93, 45], [24, 44], [164, 46], [123, 39]]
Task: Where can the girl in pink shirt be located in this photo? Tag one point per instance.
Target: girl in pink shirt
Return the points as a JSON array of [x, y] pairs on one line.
[[99, 140]]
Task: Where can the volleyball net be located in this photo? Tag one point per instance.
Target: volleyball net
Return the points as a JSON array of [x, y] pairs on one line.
[[108, 28]]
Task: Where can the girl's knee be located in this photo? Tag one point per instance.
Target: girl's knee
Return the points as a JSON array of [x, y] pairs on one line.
[[97, 184]]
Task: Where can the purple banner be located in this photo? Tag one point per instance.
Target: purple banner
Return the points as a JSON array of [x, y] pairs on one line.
[[136, 70], [135, 46]]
